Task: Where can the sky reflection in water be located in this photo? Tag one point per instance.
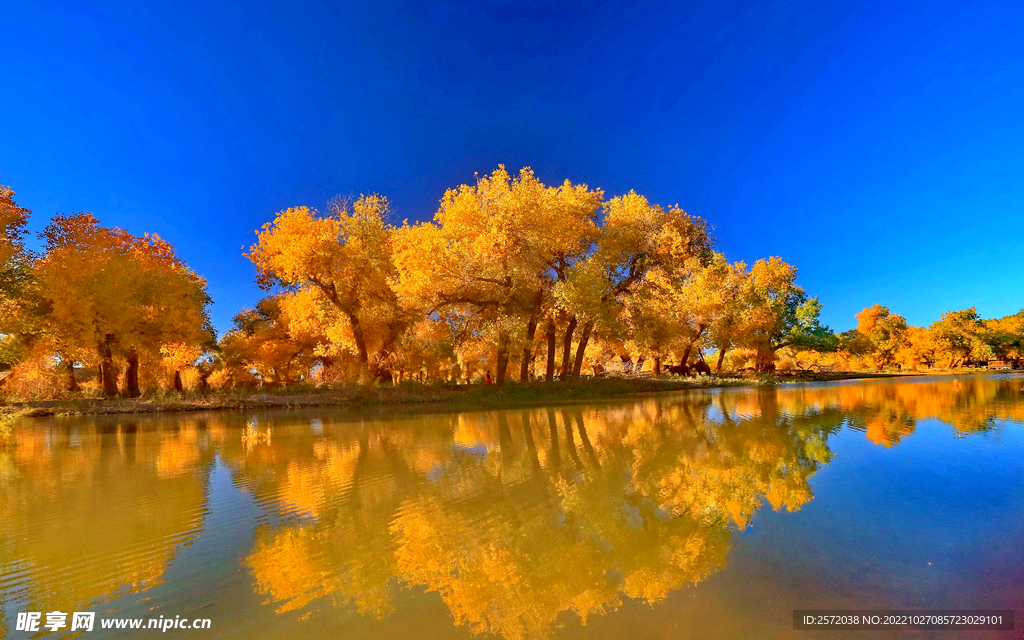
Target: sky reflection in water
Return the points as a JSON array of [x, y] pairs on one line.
[[706, 514]]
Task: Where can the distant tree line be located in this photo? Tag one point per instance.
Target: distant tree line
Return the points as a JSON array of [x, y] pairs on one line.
[[884, 340]]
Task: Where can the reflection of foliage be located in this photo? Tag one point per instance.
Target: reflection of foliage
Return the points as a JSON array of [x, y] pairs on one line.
[[500, 579], [519, 521], [338, 499], [252, 436], [7, 422], [123, 508], [724, 470], [286, 570], [517, 518], [889, 412]]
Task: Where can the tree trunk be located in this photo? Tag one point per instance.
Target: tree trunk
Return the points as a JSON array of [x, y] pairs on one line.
[[69, 365], [327, 371], [765, 359], [689, 347], [531, 332], [107, 374], [570, 329], [549, 371], [627, 363], [657, 365], [686, 355], [131, 377], [383, 374], [360, 340], [721, 359], [178, 386], [502, 358], [377, 368], [581, 348]]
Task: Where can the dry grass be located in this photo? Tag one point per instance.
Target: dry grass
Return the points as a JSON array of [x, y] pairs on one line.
[[357, 396], [411, 395]]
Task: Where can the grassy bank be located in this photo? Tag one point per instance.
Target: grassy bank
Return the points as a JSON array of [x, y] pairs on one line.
[[413, 394], [8, 417]]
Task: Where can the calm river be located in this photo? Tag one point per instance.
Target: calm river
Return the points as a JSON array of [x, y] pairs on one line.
[[710, 514]]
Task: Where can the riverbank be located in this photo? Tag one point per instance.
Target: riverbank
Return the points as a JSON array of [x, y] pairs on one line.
[[408, 395]]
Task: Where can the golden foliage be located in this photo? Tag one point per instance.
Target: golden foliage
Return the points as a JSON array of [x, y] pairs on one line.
[[509, 270], [341, 266]]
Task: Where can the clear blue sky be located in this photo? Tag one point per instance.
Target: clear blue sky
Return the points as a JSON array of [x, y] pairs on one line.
[[879, 146]]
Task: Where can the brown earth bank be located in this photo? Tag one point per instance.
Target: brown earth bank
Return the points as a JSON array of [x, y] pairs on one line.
[[435, 396]]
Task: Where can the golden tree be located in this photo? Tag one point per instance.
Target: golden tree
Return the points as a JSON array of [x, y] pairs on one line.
[[493, 251], [117, 294], [343, 261], [884, 331], [12, 248], [780, 314], [960, 335], [266, 341], [635, 237], [17, 308], [1006, 335]]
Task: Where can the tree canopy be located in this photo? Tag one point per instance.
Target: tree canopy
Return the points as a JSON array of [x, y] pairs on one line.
[[510, 273]]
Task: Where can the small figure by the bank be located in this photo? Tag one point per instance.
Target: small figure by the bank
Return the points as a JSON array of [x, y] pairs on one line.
[[487, 380], [701, 367], [679, 369]]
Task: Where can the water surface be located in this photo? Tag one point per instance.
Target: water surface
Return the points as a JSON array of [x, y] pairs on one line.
[[709, 514]]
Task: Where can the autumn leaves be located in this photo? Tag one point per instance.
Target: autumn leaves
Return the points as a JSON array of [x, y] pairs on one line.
[[506, 261], [512, 276], [336, 273], [883, 339], [98, 297]]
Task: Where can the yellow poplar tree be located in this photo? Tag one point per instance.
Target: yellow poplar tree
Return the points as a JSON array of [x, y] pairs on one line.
[[343, 261], [265, 340], [635, 237], [884, 331], [780, 314], [494, 250], [107, 290], [17, 311], [960, 335]]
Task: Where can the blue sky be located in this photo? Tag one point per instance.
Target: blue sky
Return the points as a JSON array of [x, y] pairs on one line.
[[877, 146]]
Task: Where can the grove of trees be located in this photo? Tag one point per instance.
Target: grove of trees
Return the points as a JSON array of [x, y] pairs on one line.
[[96, 298], [884, 340], [512, 279]]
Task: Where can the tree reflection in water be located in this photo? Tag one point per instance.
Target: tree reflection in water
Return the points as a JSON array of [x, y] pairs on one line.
[[517, 517], [81, 523], [519, 520]]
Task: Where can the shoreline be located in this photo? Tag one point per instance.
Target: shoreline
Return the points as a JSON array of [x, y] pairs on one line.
[[426, 396]]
